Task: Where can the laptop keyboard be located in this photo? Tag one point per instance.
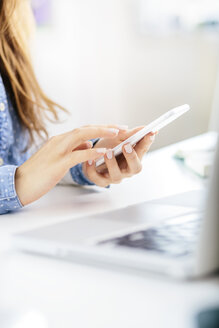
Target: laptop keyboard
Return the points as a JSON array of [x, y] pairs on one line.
[[171, 239]]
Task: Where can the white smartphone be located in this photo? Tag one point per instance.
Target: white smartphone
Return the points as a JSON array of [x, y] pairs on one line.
[[154, 126]]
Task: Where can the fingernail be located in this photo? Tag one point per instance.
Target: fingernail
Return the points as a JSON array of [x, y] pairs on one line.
[[128, 148], [101, 150], [90, 162], [123, 127], [152, 137], [114, 131], [109, 154]]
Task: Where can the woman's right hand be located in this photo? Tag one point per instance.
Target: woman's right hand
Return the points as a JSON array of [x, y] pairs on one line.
[[51, 162]]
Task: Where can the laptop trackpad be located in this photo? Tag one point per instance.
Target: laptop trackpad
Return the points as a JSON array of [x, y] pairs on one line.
[[145, 213], [81, 229]]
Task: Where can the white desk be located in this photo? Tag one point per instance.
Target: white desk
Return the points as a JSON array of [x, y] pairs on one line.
[[73, 295]]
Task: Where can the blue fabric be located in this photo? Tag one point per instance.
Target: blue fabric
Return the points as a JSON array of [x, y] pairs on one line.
[[13, 142], [78, 176]]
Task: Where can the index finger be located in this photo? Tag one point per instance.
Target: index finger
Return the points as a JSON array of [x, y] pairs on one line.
[[144, 144], [79, 136]]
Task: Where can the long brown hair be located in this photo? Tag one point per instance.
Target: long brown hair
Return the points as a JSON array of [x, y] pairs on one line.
[[30, 102]]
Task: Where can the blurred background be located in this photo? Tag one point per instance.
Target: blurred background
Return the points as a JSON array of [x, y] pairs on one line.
[[129, 61]]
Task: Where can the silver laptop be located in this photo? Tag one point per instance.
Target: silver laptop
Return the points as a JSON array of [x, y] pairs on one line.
[[180, 241]]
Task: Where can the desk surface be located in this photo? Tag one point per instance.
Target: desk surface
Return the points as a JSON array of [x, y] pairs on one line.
[[73, 295]]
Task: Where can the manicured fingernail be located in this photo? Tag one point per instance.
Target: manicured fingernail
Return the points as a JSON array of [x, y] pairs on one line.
[[128, 148], [114, 131], [90, 162], [109, 154], [101, 150], [152, 137], [123, 127]]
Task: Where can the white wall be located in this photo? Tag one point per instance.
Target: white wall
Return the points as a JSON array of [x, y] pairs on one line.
[[96, 62]]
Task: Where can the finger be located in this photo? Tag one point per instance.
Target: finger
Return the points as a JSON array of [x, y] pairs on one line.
[[92, 174], [129, 133], [113, 167], [85, 145], [134, 130], [80, 156], [115, 126], [78, 136], [133, 162], [144, 145]]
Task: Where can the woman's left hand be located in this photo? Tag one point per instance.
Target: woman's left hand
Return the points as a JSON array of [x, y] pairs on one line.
[[124, 166]]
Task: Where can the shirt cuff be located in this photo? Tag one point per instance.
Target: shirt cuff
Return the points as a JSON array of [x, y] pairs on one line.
[[9, 200], [79, 177]]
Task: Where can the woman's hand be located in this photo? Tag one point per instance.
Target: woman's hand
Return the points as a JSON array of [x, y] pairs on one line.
[[125, 165], [50, 163]]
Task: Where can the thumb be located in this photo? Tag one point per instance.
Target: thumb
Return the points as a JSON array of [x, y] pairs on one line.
[[80, 156], [129, 133]]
